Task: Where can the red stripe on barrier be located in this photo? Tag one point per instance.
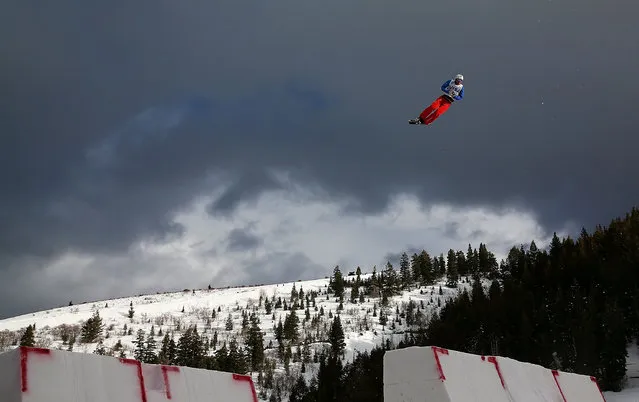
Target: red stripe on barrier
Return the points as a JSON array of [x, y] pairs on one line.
[[555, 374], [140, 376], [247, 378], [493, 360], [593, 379], [165, 376], [24, 353], [443, 351]]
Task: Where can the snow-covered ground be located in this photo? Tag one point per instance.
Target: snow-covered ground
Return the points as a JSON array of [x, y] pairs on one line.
[[169, 311], [627, 395], [187, 307], [631, 393]]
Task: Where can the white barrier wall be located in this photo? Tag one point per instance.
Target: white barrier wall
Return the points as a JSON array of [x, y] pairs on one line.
[[44, 375], [441, 375]]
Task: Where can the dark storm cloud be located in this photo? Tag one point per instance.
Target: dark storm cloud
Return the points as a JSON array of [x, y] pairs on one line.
[[89, 280], [247, 187], [275, 267], [453, 230], [113, 116], [242, 240]]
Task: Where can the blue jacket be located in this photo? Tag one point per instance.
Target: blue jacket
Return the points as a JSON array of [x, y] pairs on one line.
[[458, 97]]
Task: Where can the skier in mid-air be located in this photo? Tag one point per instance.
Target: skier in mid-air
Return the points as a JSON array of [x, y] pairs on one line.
[[453, 90]]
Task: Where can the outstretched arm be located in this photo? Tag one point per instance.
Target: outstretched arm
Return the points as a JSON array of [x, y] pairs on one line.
[[444, 85]]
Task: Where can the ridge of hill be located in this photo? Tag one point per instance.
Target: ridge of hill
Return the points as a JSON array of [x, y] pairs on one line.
[[370, 319]]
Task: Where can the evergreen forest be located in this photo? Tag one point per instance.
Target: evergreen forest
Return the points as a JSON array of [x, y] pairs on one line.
[[573, 307]]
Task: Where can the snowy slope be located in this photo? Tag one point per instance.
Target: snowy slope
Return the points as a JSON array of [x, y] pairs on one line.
[[627, 395], [199, 303], [166, 311], [631, 394]]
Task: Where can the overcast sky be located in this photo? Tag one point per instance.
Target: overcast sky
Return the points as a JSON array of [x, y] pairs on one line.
[[158, 145]]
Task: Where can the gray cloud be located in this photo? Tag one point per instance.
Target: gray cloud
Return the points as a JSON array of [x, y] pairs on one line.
[[248, 186], [29, 289], [113, 117], [274, 267], [394, 257], [242, 240]]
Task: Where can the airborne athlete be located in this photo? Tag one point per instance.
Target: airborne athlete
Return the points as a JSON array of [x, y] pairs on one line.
[[453, 90]]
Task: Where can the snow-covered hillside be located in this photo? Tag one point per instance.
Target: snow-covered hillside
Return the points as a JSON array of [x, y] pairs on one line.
[[209, 309]]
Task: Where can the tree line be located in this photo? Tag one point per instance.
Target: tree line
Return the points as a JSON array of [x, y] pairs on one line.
[[573, 307]]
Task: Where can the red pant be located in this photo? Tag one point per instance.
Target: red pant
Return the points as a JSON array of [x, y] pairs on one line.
[[436, 109]]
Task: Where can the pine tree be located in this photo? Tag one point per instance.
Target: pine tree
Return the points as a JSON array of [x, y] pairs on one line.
[[415, 267], [355, 290], [472, 262], [336, 283], [172, 352], [197, 350], [255, 345], [487, 261], [149, 350], [291, 323], [404, 271], [236, 358], [390, 281], [462, 264], [452, 275], [140, 350], [426, 268], [163, 354], [441, 262], [299, 390], [229, 323], [435, 265], [336, 338], [28, 338], [279, 331], [189, 349], [92, 329]]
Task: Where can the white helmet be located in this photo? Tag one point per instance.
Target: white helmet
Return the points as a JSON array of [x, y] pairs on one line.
[[459, 77]]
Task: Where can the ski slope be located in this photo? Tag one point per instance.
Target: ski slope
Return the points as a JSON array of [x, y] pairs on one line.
[[167, 311], [188, 307], [170, 311]]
